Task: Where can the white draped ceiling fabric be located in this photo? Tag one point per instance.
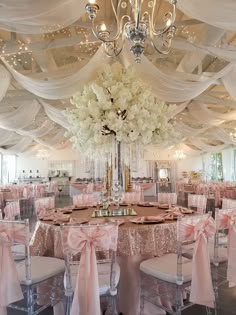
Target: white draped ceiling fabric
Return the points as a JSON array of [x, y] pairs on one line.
[[38, 17], [171, 85]]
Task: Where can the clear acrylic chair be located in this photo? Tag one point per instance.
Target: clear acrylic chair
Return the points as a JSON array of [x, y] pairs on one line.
[[169, 198], [44, 203], [12, 210], [197, 201], [91, 268], [32, 284], [175, 281], [224, 268], [228, 203]]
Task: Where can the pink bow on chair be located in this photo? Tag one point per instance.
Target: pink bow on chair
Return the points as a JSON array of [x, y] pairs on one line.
[[227, 220], [201, 286], [10, 290], [86, 299]]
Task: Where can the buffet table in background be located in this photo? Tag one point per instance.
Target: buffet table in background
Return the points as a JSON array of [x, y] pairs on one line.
[[80, 188]]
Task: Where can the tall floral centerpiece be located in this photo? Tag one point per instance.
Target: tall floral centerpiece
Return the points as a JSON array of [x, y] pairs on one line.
[[117, 105]]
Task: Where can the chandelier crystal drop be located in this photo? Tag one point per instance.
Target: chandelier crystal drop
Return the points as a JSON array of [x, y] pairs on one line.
[[179, 155], [233, 135], [135, 20], [42, 154]]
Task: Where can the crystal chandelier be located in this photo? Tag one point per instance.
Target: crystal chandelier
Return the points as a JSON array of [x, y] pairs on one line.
[[233, 135], [42, 154], [135, 20], [179, 155]]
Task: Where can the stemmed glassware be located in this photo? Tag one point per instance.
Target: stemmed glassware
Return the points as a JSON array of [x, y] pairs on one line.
[[117, 194]]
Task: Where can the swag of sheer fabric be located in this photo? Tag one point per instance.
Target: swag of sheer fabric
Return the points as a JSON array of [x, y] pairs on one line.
[[171, 87], [38, 17], [214, 12], [62, 87]]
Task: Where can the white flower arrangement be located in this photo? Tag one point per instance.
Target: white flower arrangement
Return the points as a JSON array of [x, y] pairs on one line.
[[117, 105]]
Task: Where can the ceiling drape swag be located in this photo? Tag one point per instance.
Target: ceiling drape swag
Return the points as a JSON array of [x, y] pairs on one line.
[[38, 17], [53, 141], [21, 117], [5, 80], [38, 132], [167, 86], [55, 114], [62, 87], [222, 135], [5, 136], [214, 12], [21, 146]]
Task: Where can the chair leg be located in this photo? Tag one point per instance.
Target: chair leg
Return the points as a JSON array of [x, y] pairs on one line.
[[58, 309], [30, 300], [114, 302], [3, 310], [68, 304]]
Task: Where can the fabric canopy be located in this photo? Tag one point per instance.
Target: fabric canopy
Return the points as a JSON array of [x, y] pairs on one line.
[[37, 17], [215, 12]]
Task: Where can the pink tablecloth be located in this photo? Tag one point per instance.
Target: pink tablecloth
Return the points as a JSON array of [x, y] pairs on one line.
[[135, 243]]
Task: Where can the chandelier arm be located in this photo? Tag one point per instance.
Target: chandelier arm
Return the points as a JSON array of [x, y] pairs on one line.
[[169, 23], [165, 50], [104, 36], [116, 52]]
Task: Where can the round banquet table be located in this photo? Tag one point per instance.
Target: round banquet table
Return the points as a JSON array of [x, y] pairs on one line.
[[136, 242]]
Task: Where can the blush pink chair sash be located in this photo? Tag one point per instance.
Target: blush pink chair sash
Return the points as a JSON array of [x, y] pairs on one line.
[[12, 210], [227, 220], [201, 286], [86, 299], [10, 290]]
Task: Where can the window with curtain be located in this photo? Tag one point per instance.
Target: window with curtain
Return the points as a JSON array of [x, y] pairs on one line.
[[216, 172], [8, 168]]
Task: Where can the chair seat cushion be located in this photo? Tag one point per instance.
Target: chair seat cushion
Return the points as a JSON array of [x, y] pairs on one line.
[[104, 271], [42, 268], [222, 254], [165, 268]]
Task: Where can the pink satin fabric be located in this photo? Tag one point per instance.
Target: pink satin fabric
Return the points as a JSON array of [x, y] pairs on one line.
[[227, 220], [12, 210], [10, 290], [83, 200], [44, 203], [86, 299], [201, 286]]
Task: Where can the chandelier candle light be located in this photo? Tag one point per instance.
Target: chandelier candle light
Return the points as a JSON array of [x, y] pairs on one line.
[[136, 27]]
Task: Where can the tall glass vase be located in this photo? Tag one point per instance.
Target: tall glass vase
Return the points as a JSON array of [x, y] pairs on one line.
[[118, 171]]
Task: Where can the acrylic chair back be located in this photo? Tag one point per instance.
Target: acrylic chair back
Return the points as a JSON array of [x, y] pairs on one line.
[[197, 201], [170, 198], [12, 232], [228, 203], [196, 230], [85, 246], [226, 229], [46, 203], [12, 210], [83, 200]]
